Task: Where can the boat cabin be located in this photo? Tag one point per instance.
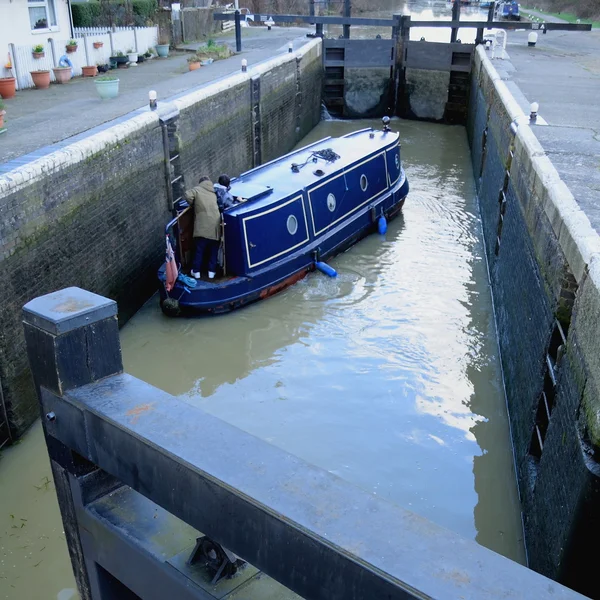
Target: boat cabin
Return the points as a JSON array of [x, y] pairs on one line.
[[295, 201]]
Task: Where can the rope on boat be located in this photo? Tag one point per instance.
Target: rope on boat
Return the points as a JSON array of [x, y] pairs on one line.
[[327, 154]]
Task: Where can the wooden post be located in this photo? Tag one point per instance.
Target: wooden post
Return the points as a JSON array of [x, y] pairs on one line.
[[490, 18], [455, 17], [347, 13], [238, 32], [402, 32]]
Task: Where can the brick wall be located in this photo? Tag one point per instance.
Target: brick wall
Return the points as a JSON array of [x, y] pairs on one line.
[[543, 274], [215, 133], [92, 214]]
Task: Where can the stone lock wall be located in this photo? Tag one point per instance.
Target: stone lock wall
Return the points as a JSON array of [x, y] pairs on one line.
[[544, 263], [88, 215], [92, 214]]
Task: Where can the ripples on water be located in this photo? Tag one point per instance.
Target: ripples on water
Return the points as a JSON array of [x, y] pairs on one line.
[[388, 375]]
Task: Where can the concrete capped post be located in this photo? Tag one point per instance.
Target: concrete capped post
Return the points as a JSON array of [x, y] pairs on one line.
[[72, 339]]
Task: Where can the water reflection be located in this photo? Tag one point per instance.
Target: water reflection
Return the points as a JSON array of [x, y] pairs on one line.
[[388, 375]]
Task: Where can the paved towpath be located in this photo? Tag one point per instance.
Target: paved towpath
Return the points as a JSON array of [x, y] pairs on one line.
[[38, 118], [562, 74]]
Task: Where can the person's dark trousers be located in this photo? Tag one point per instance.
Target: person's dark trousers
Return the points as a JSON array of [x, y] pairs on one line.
[[204, 245]]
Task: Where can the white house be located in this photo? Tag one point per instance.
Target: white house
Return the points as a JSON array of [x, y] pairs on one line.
[[31, 22]]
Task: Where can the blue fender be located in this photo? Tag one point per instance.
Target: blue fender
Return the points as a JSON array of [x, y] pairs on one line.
[[65, 61], [382, 225], [325, 268]]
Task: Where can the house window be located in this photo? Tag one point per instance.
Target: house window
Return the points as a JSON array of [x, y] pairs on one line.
[[42, 14]]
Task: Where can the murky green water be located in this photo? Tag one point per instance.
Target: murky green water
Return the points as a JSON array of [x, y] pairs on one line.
[[387, 376]]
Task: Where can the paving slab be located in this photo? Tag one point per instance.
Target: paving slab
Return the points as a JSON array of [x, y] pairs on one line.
[[36, 119], [562, 74]]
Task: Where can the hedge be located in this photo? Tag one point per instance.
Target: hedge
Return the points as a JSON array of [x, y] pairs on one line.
[[96, 14]]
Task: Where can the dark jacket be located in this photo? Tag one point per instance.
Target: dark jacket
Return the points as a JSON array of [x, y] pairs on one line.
[[224, 197], [207, 218]]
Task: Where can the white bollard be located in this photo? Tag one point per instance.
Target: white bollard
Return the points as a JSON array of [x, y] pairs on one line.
[[534, 112], [532, 39]]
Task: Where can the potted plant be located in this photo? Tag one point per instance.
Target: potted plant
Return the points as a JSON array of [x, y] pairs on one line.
[[8, 85], [71, 46], [62, 74], [120, 59], [193, 62], [41, 79], [98, 45], [38, 51], [107, 86], [162, 48], [2, 113], [89, 71], [132, 56]]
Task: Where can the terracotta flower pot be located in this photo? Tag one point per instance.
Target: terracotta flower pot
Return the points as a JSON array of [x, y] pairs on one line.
[[90, 71], [71, 48], [7, 87], [194, 65], [38, 54], [98, 45], [41, 79], [62, 74]]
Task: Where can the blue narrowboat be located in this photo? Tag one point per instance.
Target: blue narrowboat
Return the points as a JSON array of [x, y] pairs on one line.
[[508, 10], [299, 210]]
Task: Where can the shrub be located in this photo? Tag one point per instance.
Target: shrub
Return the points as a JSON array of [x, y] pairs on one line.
[[38, 48], [117, 13]]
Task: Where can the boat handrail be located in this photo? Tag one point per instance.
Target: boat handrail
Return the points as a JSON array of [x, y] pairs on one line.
[[174, 220], [357, 132], [282, 157], [170, 224]]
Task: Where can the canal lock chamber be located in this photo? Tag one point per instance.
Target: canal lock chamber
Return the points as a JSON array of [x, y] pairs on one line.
[[545, 286]]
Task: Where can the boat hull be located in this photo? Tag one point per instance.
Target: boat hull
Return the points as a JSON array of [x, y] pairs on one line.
[[226, 295]]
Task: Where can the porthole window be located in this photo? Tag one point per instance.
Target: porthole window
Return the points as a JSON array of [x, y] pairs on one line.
[[397, 162], [292, 224], [364, 183], [331, 202]]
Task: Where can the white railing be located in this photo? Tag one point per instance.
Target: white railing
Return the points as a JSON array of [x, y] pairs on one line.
[[118, 39]]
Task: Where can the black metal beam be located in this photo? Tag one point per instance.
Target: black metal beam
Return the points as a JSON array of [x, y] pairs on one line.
[[315, 20], [322, 20], [504, 25]]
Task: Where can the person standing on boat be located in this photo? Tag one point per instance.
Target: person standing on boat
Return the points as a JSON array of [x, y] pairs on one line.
[[207, 224], [224, 197]]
